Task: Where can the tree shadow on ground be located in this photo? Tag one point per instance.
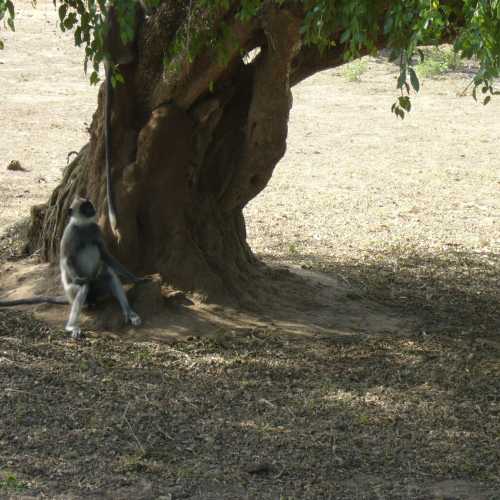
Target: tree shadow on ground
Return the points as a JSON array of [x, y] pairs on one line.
[[276, 405], [455, 291], [300, 303], [261, 415]]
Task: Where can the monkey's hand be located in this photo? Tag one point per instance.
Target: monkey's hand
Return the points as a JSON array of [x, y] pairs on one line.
[[80, 281]]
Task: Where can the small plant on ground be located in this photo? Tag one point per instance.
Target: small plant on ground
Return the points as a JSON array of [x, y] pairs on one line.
[[293, 249], [353, 71], [9, 482], [438, 61]]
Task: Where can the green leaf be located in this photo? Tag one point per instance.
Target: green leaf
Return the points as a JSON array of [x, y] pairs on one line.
[[415, 83], [63, 9], [94, 78], [10, 8], [487, 99], [118, 78], [345, 36], [405, 103], [394, 54], [2, 46], [70, 21], [78, 36], [401, 79], [389, 22]]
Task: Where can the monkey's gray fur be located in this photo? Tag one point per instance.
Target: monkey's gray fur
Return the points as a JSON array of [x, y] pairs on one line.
[[88, 270]]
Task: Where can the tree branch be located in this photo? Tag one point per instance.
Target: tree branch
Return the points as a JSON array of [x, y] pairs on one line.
[[310, 60], [267, 123], [189, 80]]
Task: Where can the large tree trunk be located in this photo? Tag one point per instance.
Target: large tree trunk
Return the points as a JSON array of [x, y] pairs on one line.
[[191, 146]]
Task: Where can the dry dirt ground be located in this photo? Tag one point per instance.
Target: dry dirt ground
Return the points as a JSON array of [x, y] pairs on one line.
[[379, 380]]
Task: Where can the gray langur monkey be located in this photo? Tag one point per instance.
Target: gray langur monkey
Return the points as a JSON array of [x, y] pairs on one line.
[[116, 53], [88, 271]]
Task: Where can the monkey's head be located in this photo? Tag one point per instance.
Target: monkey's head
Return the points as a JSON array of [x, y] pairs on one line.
[[82, 211]]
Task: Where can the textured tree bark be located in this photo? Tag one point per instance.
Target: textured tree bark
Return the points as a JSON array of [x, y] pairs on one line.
[[191, 147]]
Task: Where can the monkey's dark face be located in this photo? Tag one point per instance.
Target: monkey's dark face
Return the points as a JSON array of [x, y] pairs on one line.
[[82, 209], [87, 209]]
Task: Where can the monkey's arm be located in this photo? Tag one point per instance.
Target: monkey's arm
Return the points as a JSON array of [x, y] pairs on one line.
[[117, 267], [72, 272], [124, 273], [69, 248]]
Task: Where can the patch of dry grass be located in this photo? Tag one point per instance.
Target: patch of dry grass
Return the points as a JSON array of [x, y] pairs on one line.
[[265, 416], [13, 240]]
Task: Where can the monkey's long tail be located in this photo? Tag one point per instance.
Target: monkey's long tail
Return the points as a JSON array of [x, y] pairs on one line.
[[34, 300], [108, 143]]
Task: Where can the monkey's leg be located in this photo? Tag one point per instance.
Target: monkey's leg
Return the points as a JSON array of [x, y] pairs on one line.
[[71, 291], [80, 295], [116, 287]]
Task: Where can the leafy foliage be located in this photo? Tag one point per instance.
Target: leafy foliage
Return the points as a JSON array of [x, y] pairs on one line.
[[7, 16], [87, 18], [359, 26], [481, 38], [437, 62]]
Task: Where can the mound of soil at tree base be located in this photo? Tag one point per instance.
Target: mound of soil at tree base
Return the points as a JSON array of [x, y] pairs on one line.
[[294, 301]]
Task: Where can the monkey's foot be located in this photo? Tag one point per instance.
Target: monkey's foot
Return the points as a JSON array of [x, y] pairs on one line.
[[134, 319], [76, 332]]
